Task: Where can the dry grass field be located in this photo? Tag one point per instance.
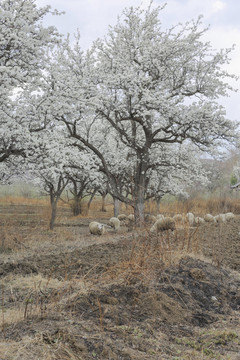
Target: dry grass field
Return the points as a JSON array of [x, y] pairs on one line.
[[69, 295]]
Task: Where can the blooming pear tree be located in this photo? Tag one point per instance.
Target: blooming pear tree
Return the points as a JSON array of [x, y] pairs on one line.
[[78, 187], [83, 176], [56, 163], [24, 45], [47, 165], [137, 93], [160, 87]]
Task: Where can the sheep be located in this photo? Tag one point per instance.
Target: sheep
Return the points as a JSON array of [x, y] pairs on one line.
[[209, 218], [96, 228], [122, 217], [216, 219], [190, 217], [115, 223], [131, 217], [229, 216], [160, 216], [150, 218], [220, 218], [163, 224], [178, 218], [199, 220]]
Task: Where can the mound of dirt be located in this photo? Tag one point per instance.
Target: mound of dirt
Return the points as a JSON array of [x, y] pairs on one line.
[[203, 288], [134, 319]]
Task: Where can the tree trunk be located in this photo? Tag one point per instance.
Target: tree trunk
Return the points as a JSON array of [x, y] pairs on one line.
[[53, 213], [116, 207], [91, 199], [158, 200], [139, 192], [139, 208], [103, 208], [77, 206]]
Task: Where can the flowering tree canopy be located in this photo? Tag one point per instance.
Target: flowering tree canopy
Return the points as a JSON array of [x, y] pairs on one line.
[[149, 89], [24, 44], [133, 100]]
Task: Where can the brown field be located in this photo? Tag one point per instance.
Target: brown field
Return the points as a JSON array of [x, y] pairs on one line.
[[69, 295]]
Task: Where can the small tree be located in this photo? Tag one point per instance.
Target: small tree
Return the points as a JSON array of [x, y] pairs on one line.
[[49, 166], [82, 175]]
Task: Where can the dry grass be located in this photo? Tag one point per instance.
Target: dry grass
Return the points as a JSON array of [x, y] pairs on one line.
[[150, 254], [41, 346], [198, 206], [20, 200], [35, 297]]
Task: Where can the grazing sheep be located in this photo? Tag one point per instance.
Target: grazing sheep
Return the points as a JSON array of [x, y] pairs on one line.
[[229, 216], [222, 217], [199, 220], [115, 223], [96, 228], [216, 219], [160, 216], [209, 218], [122, 217], [150, 218], [131, 217], [178, 218], [163, 224], [219, 218], [190, 217]]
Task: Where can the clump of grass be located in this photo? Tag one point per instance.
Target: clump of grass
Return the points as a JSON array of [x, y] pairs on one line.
[[150, 253], [208, 343]]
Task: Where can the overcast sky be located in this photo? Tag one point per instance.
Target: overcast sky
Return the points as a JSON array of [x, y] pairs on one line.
[[92, 18]]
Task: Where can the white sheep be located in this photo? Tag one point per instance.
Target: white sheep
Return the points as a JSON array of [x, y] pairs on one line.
[[220, 218], [122, 217], [160, 216], [209, 218], [96, 228], [150, 218], [115, 223], [199, 220], [178, 218], [163, 224], [216, 219], [229, 216], [190, 217], [131, 217]]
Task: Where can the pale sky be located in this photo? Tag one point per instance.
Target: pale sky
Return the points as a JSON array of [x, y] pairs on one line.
[[92, 18]]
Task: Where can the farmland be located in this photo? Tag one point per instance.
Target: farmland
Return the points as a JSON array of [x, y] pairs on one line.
[[66, 294]]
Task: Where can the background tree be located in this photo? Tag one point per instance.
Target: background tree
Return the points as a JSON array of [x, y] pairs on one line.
[[83, 178], [24, 44]]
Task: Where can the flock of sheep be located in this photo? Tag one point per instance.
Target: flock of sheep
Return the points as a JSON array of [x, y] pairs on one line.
[[160, 222]]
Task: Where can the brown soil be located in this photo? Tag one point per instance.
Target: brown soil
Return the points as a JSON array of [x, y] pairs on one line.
[[67, 294]]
